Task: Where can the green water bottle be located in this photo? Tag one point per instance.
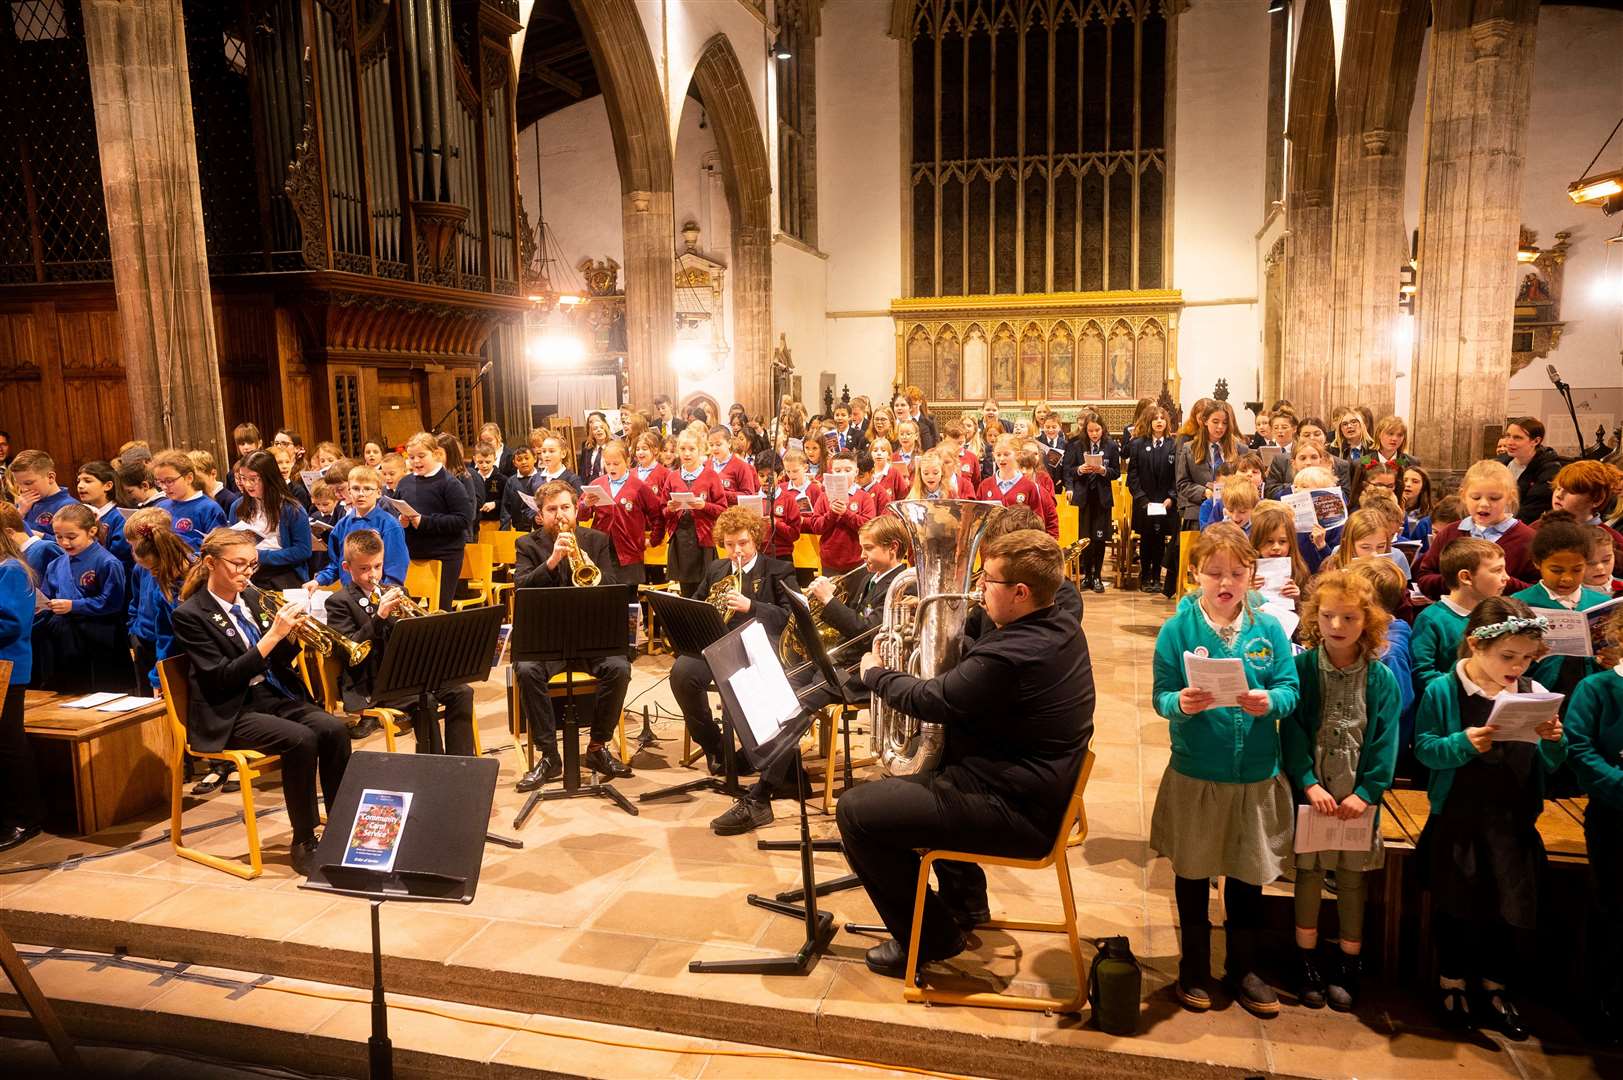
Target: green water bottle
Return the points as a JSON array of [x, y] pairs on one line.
[[1115, 985]]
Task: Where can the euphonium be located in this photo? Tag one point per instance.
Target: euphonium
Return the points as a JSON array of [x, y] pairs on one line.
[[790, 648], [582, 570], [732, 583], [946, 534], [317, 636]]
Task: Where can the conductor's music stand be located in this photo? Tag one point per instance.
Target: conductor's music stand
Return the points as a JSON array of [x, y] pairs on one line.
[[438, 857], [693, 626], [726, 657], [566, 626]]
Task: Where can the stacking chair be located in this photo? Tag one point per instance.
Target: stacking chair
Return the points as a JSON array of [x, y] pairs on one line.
[[1186, 545], [559, 688], [422, 582], [479, 571], [1121, 512], [173, 677], [1074, 821]]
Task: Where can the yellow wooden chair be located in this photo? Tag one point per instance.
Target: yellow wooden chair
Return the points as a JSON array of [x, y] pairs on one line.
[[422, 582], [808, 553], [173, 678], [1069, 528], [559, 687], [1074, 821], [1186, 544], [1121, 514], [479, 571]]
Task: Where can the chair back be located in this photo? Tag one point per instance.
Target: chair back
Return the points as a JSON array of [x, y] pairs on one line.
[[174, 679], [478, 563], [423, 582], [1121, 501], [808, 553], [1076, 815], [504, 546], [327, 670]]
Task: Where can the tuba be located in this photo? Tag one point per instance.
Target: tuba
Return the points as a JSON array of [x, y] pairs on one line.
[[922, 635]]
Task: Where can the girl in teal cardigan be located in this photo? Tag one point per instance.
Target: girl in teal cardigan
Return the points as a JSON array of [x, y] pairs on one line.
[[1594, 731], [1340, 747], [1223, 809], [1480, 853], [1560, 552]]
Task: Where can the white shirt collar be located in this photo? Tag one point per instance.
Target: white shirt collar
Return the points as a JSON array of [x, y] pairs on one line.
[[103, 510], [435, 471], [747, 567], [1472, 688], [1217, 627], [1566, 600], [29, 540], [229, 608], [1456, 608]]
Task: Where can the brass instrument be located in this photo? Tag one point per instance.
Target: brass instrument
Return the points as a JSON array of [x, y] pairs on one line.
[[921, 635], [314, 635], [583, 572], [717, 598], [405, 606], [790, 648]]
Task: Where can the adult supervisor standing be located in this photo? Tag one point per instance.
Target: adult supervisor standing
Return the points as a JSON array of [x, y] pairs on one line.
[[1017, 711]]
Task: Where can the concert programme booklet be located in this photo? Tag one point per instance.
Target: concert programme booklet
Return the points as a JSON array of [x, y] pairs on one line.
[[380, 821]]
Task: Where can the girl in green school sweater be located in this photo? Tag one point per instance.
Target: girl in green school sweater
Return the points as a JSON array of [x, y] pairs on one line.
[[1560, 553], [1223, 808], [1480, 854]]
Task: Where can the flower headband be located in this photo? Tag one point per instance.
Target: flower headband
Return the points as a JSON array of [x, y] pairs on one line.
[[1514, 624]]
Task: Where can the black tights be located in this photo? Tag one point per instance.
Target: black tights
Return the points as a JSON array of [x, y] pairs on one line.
[[1242, 902], [1489, 950]]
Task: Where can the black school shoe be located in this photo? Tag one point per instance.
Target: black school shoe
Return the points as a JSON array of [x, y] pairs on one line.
[[1499, 1012], [889, 958], [745, 815]]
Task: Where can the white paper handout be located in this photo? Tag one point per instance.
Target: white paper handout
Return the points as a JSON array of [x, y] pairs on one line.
[[1326, 832], [686, 500], [1096, 461], [1285, 612], [402, 507], [837, 486], [1155, 509], [1568, 634], [1275, 574], [1514, 716], [1301, 504], [592, 495], [90, 701], [123, 703], [310, 476], [1223, 677], [762, 688], [756, 503]]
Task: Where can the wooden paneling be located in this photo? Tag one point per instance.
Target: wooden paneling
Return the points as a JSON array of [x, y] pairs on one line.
[[245, 333], [62, 380], [400, 406]]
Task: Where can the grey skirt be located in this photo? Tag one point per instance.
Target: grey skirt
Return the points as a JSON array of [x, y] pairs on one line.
[[1209, 829]]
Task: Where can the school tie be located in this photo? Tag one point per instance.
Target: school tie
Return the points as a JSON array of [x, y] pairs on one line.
[[250, 636], [1217, 457]]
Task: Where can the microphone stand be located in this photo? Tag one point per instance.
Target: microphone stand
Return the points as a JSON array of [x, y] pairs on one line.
[[1565, 391], [483, 371]]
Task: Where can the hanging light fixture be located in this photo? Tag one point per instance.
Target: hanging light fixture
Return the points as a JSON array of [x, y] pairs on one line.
[[780, 50]]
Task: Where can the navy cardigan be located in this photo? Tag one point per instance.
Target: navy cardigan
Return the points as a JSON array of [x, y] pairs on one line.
[[447, 512]]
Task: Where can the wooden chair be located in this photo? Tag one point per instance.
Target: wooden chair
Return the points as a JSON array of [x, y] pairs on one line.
[[1074, 821], [1069, 527], [479, 571], [1121, 513], [173, 676], [422, 582], [1186, 544], [808, 553], [833, 734], [558, 688]]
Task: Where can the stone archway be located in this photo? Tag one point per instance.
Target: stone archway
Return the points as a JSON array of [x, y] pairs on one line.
[[1309, 213], [642, 149], [747, 179]]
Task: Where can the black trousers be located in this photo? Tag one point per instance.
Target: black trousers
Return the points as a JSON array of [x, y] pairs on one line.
[[1603, 831], [1488, 949], [146, 658], [20, 802], [690, 685], [1093, 523], [613, 675], [882, 824], [1157, 538], [309, 741], [458, 735]]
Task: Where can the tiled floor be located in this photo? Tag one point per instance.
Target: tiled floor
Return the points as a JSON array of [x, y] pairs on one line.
[[599, 915]]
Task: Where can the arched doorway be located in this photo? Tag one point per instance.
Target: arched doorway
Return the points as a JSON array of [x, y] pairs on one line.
[[747, 180]]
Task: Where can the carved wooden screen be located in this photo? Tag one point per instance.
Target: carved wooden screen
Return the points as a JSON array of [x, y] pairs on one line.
[[1038, 135]]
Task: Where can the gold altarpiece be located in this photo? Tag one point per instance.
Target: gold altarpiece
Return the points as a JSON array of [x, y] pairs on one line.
[[1103, 350]]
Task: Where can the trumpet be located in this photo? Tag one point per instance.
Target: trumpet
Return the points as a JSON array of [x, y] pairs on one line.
[[316, 636], [583, 572], [405, 606]]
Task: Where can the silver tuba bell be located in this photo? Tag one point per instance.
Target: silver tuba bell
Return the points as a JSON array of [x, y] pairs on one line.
[[921, 634]]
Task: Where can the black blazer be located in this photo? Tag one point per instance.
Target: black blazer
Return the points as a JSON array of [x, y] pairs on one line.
[[223, 665], [1092, 488], [494, 490], [763, 585], [590, 460], [1281, 476], [1151, 473], [532, 552], [859, 615], [350, 613], [1193, 474], [1535, 486]]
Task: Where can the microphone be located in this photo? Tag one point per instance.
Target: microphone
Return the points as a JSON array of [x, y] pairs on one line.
[[1555, 376], [485, 370]]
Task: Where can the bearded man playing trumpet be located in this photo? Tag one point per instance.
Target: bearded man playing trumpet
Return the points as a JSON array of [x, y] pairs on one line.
[[853, 606], [366, 610], [553, 557], [245, 694]]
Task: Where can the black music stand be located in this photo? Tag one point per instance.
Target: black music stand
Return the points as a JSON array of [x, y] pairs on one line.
[[726, 657], [693, 626], [568, 625], [425, 656], [439, 854]]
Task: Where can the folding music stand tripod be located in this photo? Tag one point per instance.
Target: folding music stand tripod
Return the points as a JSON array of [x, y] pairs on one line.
[[566, 626], [693, 626]]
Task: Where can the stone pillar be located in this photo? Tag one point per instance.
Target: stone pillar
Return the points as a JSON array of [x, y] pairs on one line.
[[143, 104], [1305, 341], [752, 319], [1380, 61], [1478, 87], [649, 223]]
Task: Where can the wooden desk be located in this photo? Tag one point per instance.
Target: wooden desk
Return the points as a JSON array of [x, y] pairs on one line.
[[116, 764], [1403, 817]]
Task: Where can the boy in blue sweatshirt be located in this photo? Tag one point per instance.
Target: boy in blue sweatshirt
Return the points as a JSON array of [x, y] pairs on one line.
[[364, 488], [195, 514], [39, 496], [85, 594]]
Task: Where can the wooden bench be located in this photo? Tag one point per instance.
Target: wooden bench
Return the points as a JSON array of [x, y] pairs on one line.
[[1403, 818], [116, 764]]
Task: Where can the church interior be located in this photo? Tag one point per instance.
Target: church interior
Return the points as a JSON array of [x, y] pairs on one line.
[[1081, 449]]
